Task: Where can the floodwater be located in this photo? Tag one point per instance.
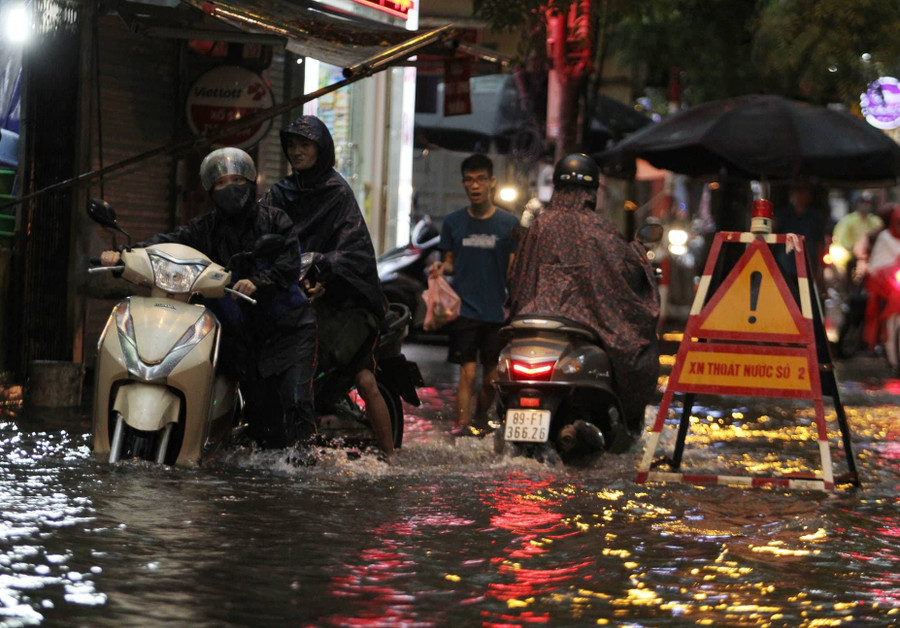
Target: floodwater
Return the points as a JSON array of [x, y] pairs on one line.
[[453, 535]]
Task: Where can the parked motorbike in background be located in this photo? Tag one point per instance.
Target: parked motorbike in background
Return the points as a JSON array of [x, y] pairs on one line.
[[159, 395], [557, 397], [340, 415], [403, 271]]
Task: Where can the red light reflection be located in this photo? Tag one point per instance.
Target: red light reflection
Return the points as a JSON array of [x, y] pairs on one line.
[[521, 505]]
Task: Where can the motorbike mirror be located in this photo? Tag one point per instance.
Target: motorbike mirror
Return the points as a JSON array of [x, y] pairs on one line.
[[650, 233], [102, 213], [424, 233]]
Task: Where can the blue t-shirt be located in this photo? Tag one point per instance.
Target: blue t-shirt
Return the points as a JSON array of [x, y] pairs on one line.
[[481, 250]]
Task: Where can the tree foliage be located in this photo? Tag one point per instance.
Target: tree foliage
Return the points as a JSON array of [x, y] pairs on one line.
[[807, 49], [827, 50]]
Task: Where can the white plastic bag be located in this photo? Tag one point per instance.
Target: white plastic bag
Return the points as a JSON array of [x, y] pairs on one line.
[[442, 304]]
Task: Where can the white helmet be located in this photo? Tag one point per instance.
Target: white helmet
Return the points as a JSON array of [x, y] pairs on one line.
[[224, 161]]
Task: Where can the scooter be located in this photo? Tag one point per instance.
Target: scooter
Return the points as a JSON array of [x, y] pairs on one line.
[[557, 399], [158, 393], [340, 414], [404, 271], [886, 306]]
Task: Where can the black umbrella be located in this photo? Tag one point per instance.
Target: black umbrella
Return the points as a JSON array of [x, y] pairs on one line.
[[761, 137], [607, 121]]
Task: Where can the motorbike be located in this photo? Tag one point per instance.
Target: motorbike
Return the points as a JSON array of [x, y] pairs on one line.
[[844, 301], [403, 271], [885, 305], [557, 400], [340, 412], [158, 392]]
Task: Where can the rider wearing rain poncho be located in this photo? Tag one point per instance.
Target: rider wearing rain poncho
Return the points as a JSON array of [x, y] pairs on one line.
[[328, 222], [572, 262], [269, 347]]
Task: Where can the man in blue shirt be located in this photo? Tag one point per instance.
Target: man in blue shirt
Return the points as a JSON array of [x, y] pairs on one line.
[[478, 244]]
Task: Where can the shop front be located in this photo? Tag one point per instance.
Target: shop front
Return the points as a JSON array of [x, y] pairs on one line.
[[137, 124]]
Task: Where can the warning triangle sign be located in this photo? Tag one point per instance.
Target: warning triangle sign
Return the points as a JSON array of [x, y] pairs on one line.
[[753, 303]]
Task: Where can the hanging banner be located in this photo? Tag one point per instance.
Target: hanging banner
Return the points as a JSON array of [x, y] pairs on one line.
[[457, 92], [397, 8]]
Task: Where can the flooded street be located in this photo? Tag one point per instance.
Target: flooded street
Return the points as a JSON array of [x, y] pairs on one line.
[[454, 535]]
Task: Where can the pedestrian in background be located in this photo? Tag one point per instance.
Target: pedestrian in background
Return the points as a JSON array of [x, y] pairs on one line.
[[805, 216], [478, 245]]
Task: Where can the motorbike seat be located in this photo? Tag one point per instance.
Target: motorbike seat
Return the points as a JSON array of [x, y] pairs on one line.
[[551, 322]]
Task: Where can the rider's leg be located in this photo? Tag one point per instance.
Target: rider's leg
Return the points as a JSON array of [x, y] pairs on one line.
[[376, 410]]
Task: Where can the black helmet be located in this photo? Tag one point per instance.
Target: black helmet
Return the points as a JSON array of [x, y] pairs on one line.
[[577, 169]]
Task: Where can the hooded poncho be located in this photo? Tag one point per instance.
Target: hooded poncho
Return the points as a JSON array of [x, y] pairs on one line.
[[327, 220], [573, 263]]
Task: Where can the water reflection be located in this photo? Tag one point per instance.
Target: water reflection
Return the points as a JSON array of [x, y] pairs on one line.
[[450, 536]]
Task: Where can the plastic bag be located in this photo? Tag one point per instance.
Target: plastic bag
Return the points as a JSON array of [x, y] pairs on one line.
[[442, 304]]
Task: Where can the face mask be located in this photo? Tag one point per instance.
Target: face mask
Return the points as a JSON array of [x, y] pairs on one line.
[[233, 200]]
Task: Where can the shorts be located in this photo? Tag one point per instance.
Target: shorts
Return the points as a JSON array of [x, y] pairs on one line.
[[470, 339]]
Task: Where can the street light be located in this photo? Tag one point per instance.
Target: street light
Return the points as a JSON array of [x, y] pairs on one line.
[[16, 23]]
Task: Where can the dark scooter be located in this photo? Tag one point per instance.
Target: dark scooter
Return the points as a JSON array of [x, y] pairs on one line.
[[557, 398], [340, 416]]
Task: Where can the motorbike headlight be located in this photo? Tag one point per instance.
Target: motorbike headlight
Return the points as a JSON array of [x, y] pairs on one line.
[[837, 255], [508, 194], [678, 239], [172, 276]]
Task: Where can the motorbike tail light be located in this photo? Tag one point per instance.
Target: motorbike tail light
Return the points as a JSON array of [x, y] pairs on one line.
[[541, 371], [530, 402], [897, 276]]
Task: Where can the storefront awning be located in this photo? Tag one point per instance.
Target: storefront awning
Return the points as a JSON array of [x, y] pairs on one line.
[[311, 29], [353, 57]]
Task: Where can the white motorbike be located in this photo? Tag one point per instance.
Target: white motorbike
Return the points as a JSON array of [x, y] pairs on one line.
[[158, 394]]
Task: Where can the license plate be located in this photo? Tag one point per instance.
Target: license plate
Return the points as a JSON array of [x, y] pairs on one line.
[[529, 426]]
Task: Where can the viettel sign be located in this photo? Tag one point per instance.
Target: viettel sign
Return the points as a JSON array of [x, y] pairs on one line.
[[226, 94]]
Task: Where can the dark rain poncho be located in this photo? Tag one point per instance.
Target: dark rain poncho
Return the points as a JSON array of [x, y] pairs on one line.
[[573, 263], [282, 309], [327, 220]]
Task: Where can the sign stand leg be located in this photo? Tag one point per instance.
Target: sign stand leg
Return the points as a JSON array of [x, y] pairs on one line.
[[831, 389], [683, 426]]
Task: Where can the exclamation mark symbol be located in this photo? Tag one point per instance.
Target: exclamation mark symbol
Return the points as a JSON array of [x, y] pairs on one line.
[[755, 281]]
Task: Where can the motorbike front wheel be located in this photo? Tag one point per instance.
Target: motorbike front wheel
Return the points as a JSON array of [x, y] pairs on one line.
[[129, 443]]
